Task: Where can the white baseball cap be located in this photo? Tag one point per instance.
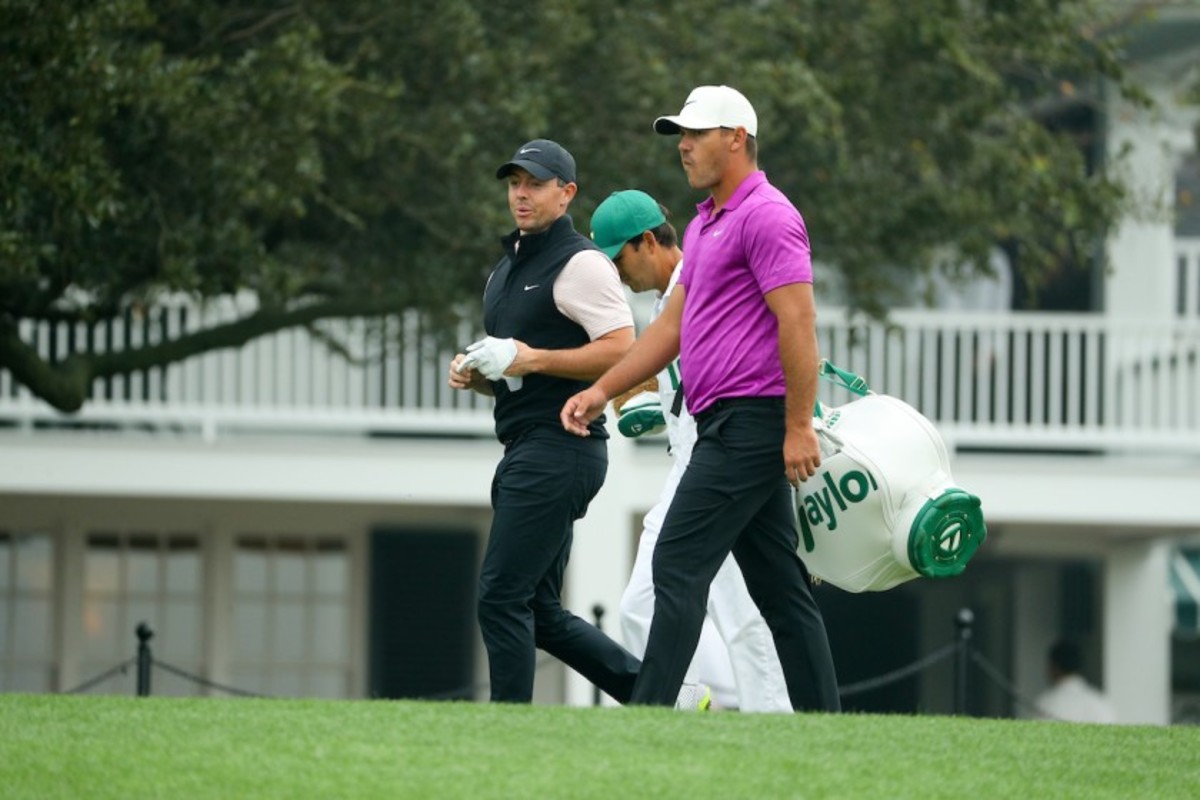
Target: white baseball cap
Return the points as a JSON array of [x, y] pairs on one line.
[[711, 107]]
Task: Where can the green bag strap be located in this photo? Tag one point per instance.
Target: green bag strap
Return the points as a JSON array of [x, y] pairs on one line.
[[847, 380]]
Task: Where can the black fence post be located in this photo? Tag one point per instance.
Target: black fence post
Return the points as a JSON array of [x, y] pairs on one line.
[[144, 635], [598, 614], [963, 621]]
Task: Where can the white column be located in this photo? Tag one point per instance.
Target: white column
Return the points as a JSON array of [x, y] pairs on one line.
[[218, 558], [1137, 632], [1036, 615], [1142, 249], [70, 589]]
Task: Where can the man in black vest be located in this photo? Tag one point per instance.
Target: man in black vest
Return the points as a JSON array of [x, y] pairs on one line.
[[556, 318]]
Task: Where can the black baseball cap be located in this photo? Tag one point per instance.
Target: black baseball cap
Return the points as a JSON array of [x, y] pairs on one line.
[[543, 159]]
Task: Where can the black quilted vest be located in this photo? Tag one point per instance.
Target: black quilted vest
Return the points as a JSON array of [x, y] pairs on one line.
[[519, 303]]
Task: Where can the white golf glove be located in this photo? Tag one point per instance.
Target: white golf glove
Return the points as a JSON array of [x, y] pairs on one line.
[[490, 357]]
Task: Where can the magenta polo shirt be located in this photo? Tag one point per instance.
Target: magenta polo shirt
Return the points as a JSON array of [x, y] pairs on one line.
[[729, 345]]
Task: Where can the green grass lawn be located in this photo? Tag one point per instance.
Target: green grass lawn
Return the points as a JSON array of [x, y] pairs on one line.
[[55, 746]]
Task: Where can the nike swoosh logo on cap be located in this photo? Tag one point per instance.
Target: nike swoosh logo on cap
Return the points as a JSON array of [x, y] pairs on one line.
[[528, 150]]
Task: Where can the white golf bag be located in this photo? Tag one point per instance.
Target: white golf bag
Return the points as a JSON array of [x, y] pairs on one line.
[[883, 508]]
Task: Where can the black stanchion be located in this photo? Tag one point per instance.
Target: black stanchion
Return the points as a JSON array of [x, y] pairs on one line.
[[144, 659], [963, 622], [598, 614]]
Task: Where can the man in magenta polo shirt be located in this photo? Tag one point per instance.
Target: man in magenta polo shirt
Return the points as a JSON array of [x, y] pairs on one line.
[[743, 323]]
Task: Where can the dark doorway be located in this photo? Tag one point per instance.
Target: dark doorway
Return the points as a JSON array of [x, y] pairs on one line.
[[422, 614], [873, 634]]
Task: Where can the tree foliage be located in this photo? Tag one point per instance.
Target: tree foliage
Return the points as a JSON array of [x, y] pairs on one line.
[[339, 159]]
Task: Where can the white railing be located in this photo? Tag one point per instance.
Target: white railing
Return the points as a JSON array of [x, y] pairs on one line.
[[377, 375], [1033, 381], [993, 380]]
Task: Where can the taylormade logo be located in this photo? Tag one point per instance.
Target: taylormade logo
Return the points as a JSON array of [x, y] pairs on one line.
[[821, 507]]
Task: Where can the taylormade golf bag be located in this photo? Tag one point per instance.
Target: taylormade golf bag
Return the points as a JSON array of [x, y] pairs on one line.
[[883, 508]]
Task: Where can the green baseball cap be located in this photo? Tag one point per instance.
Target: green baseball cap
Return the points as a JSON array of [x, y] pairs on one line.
[[622, 216]]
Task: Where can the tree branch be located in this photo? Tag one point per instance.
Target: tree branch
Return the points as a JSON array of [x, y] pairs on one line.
[[262, 24], [63, 386]]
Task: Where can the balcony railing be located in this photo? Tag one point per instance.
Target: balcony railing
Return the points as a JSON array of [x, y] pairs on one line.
[[1028, 381], [1034, 381], [358, 376]]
